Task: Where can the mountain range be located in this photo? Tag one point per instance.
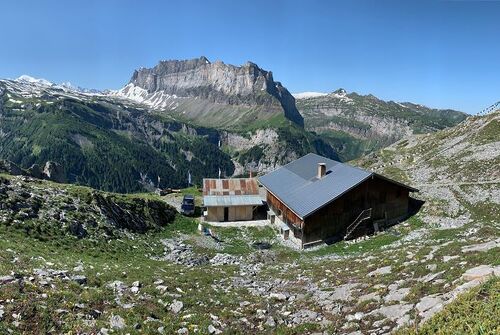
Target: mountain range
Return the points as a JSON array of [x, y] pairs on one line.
[[193, 116]]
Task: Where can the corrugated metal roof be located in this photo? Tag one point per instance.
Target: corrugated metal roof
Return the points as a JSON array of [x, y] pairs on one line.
[[236, 186], [297, 186], [231, 200]]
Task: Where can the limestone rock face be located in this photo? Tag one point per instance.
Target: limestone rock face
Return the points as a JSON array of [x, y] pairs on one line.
[[220, 83]]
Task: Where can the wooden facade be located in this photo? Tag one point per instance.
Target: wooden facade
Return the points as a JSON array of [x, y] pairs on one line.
[[231, 213], [387, 199]]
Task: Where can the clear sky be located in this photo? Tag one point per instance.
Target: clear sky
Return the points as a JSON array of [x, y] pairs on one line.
[[439, 53]]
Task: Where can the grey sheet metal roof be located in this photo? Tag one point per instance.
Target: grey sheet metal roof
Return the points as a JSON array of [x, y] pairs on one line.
[[297, 186], [231, 200]]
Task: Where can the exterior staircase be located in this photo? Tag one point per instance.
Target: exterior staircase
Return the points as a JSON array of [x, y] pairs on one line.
[[363, 216]]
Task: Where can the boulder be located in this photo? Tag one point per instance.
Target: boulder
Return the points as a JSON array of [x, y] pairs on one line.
[[36, 171], [10, 168], [116, 322], [55, 172], [176, 306], [481, 272]]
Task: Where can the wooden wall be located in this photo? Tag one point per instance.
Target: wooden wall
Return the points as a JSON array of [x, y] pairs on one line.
[[236, 213], [387, 200], [287, 215]]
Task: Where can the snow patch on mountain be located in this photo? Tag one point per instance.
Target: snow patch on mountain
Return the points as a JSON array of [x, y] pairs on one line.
[[157, 100], [29, 79], [306, 95]]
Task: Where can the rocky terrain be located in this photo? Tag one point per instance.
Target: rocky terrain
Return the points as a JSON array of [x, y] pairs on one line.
[[43, 210], [358, 124], [172, 279], [213, 94], [456, 169]]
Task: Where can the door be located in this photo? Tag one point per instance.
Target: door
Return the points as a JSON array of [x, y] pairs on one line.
[[226, 214]]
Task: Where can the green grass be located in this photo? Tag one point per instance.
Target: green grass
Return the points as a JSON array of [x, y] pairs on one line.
[[344, 248], [475, 312]]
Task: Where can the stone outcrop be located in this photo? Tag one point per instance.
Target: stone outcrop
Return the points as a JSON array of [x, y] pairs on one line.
[[10, 168], [55, 172], [35, 206]]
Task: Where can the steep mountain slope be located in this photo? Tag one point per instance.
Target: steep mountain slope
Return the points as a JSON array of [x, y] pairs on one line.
[[100, 143], [212, 94], [357, 124], [116, 144], [456, 170]]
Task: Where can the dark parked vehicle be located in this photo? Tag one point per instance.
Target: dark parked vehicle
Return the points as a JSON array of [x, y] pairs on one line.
[[187, 207]]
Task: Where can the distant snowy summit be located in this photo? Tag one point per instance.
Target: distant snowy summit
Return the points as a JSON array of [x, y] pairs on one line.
[[38, 81], [306, 95], [67, 86]]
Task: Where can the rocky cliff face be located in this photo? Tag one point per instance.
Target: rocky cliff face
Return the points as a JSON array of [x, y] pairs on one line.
[[215, 83], [366, 122]]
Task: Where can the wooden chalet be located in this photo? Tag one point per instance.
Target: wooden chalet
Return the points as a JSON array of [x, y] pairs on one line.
[[316, 199]]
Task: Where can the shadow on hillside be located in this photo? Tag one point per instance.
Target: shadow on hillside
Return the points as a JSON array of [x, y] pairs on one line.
[[414, 206]]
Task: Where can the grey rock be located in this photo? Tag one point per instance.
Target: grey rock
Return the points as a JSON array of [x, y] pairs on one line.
[[481, 272], [380, 271], [55, 172], [10, 168], [343, 292], [270, 322], [397, 295], [213, 330], [369, 296], [176, 306], [428, 306], [6, 279], [482, 247], [278, 296], [183, 331], [393, 312], [80, 279], [116, 322]]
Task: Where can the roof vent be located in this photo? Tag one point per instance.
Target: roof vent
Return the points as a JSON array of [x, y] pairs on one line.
[[321, 170]]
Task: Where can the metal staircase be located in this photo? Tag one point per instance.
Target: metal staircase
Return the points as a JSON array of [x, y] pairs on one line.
[[364, 215]]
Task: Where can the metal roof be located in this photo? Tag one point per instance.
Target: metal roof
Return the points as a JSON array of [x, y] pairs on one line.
[[231, 200], [297, 186], [236, 186]]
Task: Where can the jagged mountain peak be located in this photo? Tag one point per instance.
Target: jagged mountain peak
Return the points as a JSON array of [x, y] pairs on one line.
[[217, 88]]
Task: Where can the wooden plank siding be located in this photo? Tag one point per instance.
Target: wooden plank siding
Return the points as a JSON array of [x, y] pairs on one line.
[[287, 215], [388, 200]]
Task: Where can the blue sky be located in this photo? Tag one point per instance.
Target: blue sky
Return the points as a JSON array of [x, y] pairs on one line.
[[442, 54]]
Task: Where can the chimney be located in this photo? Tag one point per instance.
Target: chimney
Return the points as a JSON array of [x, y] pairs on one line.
[[321, 170]]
